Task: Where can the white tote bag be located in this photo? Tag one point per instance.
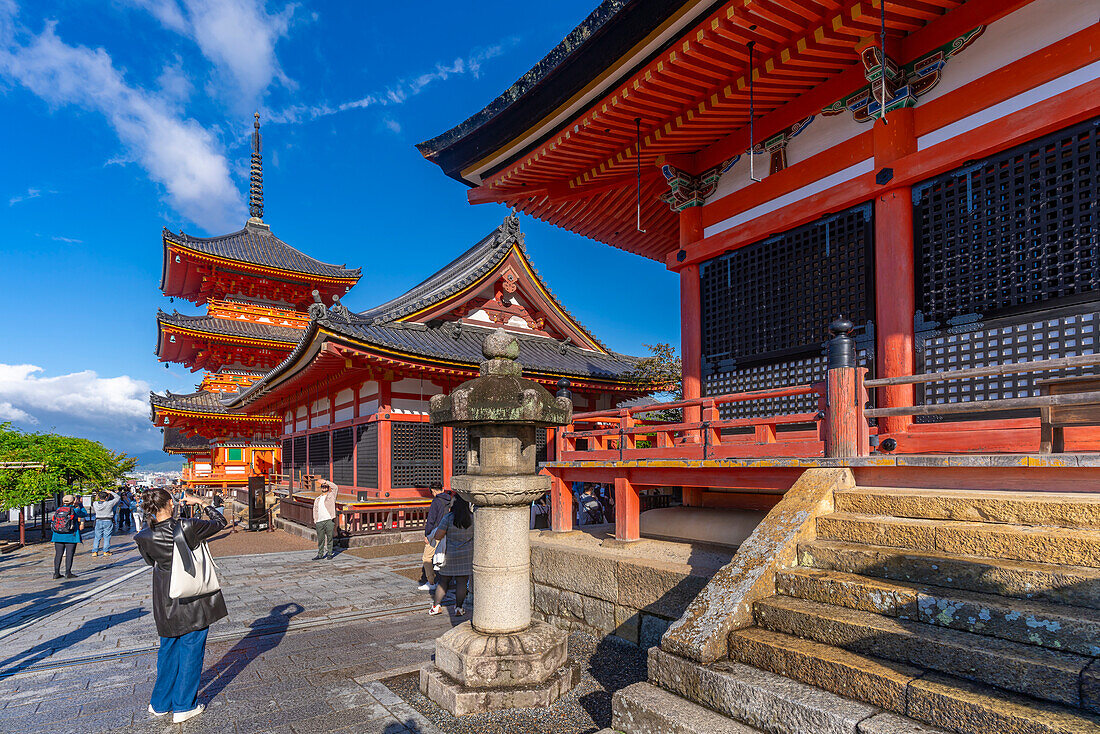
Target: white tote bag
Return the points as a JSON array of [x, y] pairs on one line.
[[440, 554], [192, 570]]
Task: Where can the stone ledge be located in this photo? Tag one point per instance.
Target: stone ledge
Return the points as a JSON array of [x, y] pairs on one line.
[[460, 701], [353, 541], [813, 462]]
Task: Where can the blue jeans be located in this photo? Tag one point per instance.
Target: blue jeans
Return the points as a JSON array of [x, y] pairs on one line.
[[179, 666], [103, 530]]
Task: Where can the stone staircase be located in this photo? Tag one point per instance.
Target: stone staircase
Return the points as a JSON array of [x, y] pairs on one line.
[[912, 611]]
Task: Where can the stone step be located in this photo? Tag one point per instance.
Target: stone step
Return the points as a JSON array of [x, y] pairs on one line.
[[759, 698], [1068, 546], [1033, 671], [1054, 626], [909, 692], [1059, 584], [643, 708], [1055, 509]]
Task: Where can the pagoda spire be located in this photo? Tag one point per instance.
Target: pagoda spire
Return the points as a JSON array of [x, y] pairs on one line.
[[256, 178]]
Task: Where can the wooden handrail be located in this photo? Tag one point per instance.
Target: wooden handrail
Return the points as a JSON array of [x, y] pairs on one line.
[[1083, 360], [709, 401], [985, 406]]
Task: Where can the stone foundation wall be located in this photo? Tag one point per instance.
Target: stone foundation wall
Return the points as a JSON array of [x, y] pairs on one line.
[[609, 589]]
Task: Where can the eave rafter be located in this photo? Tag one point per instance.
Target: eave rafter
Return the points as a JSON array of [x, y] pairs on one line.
[[693, 103]]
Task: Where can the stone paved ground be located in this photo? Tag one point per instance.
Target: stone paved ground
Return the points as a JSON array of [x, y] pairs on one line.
[[309, 647]]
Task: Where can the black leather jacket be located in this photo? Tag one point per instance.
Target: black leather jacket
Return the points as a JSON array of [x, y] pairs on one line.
[[175, 617]]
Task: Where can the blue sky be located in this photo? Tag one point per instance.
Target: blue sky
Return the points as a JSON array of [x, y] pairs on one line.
[[121, 117]]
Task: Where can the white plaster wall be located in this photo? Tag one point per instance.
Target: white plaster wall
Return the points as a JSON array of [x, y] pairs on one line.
[[345, 414], [1029, 29], [368, 408], [320, 412], [404, 405], [345, 396]]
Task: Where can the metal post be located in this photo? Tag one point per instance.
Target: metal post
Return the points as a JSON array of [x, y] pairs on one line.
[[846, 433]]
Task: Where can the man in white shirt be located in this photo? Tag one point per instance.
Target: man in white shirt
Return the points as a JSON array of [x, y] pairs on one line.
[[324, 516]]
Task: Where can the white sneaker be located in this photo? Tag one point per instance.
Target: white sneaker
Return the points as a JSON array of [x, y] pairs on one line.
[[424, 586], [156, 713], [182, 716]]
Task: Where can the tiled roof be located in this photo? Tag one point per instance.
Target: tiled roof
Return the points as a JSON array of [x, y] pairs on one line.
[[459, 274], [256, 244], [463, 344], [232, 327], [176, 442], [199, 402]]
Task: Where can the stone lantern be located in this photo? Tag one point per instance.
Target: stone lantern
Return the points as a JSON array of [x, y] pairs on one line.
[[500, 658]]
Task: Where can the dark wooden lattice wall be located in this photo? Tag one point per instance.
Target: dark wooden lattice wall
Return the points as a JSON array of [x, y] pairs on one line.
[[765, 308], [1007, 265]]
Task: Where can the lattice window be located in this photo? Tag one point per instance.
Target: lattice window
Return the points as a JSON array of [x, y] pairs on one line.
[[343, 454], [288, 454], [460, 444], [774, 298], [299, 466], [1015, 230], [807, 369], [319, 454], [540, 445], [1065, 332], [417, 454], [366, 457]]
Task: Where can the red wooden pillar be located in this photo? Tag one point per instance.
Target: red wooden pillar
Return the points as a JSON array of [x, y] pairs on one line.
[[895, 277], [627, 519], [385, 439], [692, 496], [691, 325], [448, 456], [561, 505], [846, 431]]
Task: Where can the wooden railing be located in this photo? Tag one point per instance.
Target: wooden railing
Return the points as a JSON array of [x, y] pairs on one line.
[[622, 435], [359, 519]]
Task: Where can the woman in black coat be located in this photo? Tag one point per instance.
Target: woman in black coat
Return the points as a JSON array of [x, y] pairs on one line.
[[181, 623]]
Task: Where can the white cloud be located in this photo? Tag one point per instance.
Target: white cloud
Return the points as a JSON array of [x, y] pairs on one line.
[[237, 36], [114, 410], [32, 193], [176, 152], [398, 92], [9, 412], [68, 240], [393, 125], [83, 395]]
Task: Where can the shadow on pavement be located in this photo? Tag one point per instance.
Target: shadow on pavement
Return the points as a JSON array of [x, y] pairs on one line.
[[265, 634], [26, 658], [403, 728]]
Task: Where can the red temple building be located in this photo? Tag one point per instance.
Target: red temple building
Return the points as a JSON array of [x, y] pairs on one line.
[[925, 168], [257, 290], [882, 215], [352, 397]]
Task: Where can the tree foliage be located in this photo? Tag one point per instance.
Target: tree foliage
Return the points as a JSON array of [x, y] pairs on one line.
[[67, 461], [661, 374]]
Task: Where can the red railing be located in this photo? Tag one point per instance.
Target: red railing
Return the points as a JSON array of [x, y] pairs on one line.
[[359, 519], [621, 435]]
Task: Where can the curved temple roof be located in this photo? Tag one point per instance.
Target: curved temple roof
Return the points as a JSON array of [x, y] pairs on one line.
[[175, 442], [609, 32], [256, 245], [231, 327], [196, 402]]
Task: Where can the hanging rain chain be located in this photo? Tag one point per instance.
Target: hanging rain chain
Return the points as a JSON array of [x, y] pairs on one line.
[[882, 50], [752, 115], [638, 169]]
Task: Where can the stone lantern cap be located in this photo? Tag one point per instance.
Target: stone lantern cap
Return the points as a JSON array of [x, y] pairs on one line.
[[501, 394]]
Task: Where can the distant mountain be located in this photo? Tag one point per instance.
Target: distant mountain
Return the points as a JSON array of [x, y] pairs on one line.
[[157, 461]]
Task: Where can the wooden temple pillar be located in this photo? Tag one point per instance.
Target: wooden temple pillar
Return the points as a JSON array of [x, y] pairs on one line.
[[691, 324], [895, 275], [627, 510]]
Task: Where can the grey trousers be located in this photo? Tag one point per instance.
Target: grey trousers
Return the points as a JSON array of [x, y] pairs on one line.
[[325, 530]]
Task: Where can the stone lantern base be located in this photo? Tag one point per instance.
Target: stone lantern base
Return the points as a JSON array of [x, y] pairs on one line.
[[474, 673]]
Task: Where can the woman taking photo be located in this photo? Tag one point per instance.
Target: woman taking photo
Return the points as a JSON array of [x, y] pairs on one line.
[[458, 528], [181, 623]]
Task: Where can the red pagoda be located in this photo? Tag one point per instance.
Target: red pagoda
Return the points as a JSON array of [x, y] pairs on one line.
[[256, 289]]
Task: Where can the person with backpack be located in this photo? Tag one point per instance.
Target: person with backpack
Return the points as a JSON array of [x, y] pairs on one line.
[[182, 622], [590, 508], [68, 521]]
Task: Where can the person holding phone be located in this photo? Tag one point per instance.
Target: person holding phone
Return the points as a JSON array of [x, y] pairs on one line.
[[182, 623], [324, 516]]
